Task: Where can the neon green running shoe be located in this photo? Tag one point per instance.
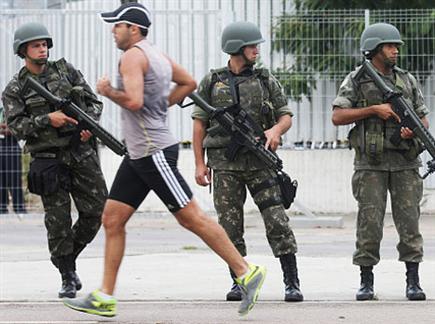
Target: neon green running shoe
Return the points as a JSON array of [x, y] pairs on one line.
[[93, 304], [251, 285]]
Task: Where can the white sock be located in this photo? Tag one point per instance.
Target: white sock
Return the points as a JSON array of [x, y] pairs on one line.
[[245, 274], [104, 296]]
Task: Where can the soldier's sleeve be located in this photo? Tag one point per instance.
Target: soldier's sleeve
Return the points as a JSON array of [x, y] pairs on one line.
[[278, 98], [346, 96], [417, 100], [20, 123], [94, 106], [204, 93]]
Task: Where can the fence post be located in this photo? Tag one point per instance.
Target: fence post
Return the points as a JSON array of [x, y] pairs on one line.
[[366, 17]]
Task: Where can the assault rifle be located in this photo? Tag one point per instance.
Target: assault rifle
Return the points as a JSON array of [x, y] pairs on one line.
[[72, 110], [243, 136], [408, 117]]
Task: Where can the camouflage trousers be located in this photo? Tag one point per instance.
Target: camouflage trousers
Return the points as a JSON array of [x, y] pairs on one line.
[[370, 190], [89, 192], [229, 197]]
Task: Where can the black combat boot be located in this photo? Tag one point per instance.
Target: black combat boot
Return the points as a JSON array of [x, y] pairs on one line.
[[76, 278], [66, 269], [77, 249], [235, 293], [413, 289], [365, 291], [291, 280]]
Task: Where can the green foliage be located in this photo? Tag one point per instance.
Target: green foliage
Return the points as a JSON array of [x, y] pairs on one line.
[[318, 42], [296, 83]]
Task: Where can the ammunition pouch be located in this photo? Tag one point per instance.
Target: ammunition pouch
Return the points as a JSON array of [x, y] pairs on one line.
[[47, 175], [288, 189], [267, 115], [374, 146], [368, 138]]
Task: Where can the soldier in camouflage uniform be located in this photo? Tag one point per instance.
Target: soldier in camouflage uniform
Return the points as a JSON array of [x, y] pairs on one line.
[[262, 97], [64, 158], [381, 166]]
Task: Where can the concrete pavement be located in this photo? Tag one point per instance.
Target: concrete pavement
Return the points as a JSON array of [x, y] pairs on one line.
[[202, 276], [165, 265]]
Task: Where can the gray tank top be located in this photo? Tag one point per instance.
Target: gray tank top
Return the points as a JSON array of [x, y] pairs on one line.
[[146, 130]]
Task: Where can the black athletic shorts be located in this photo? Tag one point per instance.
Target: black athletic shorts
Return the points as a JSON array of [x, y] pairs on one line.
[[158, 172]]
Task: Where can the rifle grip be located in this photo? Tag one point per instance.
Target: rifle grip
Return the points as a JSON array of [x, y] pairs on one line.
[[395, 139], [232, 150]]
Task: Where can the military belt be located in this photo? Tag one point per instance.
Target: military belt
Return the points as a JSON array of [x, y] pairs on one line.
[[50, 154]]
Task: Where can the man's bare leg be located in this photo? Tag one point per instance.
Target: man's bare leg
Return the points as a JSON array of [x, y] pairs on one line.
[[195, 220], [115, 216]]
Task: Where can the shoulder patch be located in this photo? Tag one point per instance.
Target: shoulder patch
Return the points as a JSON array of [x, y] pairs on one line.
[[220, 85]]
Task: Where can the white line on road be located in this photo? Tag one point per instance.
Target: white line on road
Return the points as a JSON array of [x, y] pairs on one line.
[[45, 322]]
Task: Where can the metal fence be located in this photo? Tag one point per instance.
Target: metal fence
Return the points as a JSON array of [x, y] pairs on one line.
[[189, 31], [314, 50]]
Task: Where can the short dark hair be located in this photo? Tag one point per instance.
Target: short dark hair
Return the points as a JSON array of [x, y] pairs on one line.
[[143, 31], [375, 51], [22, 50]]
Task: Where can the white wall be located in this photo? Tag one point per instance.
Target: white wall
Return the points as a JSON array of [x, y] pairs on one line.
[[324, 178]]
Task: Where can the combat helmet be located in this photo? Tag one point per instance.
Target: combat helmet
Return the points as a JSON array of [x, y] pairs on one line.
[[239, 34], [377, 34], [30, 32]]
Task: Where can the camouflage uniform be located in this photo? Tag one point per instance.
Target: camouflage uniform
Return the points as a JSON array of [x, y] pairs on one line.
[[381, 166], [262, 97], [27, 118]]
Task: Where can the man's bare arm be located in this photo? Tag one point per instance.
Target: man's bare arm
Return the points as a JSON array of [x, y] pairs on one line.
[[133, 66], [185, 84], [202, 173], [273, 134], [345, 116]]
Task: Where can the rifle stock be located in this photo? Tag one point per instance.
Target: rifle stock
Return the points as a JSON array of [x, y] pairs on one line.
[[72, 110], [406, 113]]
